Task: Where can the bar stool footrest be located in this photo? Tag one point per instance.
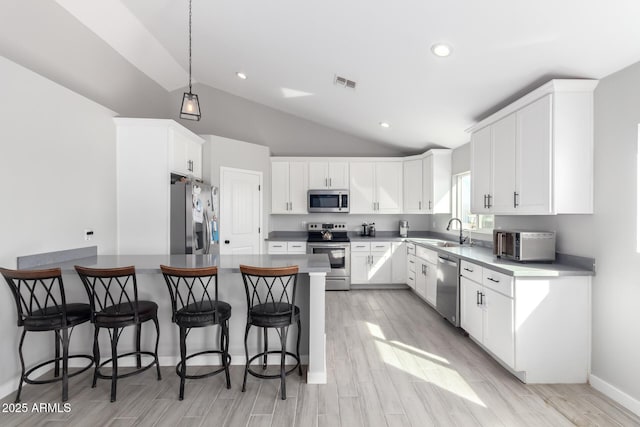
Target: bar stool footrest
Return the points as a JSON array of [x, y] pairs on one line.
[[128, 374], [257, 375], [205, 375], [27, 380]]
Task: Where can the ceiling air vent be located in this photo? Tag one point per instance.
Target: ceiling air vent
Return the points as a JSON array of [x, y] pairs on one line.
[[341, 81]]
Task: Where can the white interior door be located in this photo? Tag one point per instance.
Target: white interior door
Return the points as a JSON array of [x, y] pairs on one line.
[[240, 211]]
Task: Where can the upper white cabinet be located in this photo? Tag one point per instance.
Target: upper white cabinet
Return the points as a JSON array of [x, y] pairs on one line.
[[535, 156], [147, 151], [186, 152], [376, 187], [289, 187], [427, 183], [324, 174]]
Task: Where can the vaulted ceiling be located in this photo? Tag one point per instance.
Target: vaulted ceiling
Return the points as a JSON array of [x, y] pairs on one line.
[[292, 50]]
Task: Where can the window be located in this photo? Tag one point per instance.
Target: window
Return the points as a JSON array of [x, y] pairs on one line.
[[462, 205]]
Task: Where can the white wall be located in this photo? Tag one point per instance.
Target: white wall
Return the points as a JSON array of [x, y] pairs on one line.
[[219, 151], [57, 165]]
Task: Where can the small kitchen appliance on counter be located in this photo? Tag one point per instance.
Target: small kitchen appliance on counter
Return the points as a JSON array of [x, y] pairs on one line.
[[525, 246], [404, 228], [332, 239]]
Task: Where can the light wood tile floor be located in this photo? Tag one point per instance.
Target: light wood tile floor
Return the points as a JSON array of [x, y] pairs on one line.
[[392, 361]]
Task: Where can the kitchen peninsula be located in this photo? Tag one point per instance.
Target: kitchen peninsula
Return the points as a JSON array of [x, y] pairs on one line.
[[310, 298]]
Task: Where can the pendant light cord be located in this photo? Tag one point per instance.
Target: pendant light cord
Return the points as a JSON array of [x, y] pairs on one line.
[[189, 46]]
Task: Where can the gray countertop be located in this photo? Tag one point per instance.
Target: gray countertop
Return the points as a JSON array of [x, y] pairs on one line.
[[485, 258], [151, 263]]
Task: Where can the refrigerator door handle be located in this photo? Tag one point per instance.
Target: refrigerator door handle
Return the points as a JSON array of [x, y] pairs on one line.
[[207, 233]]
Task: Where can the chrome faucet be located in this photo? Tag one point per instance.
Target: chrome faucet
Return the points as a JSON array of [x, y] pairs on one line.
[[462, 238]]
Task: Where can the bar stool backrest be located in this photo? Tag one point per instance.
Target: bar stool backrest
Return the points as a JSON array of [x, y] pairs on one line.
[[116, 287], [192, 288], [272, 286], [39, 291]]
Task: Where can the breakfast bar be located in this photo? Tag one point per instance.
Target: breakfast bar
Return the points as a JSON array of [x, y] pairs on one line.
[[151, 285]]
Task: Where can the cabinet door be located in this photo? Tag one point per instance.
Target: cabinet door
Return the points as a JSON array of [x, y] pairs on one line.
[[480, 170], [298, 186], [412, 186], [179, 144], [318, 178], [499, 326], [421, 278], [441, 182], [471, 313], [338, 175], [279, 187], [427, 183], [194, 158], [388, 187], [533, 183], [398, 262], [380, 268], [361, 187], [360, 267], [504, 164], [431, 286]]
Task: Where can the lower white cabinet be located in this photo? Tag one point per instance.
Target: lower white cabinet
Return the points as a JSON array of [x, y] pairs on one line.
[[536, 327], [294, 247], [426, 274], [378, 262]]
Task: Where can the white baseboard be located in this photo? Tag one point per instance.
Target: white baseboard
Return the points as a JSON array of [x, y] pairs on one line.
[[616, 394]]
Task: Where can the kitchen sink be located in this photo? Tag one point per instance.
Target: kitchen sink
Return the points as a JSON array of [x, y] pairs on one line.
[[437, 242]]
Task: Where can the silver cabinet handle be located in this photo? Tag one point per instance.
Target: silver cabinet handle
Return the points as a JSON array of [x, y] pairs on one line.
[[489, 197], [420, 205], [485, 200], [493, 280], [516, 202], [429, 204], [477, 297], [326, 184], [329, 182], [467, 269]]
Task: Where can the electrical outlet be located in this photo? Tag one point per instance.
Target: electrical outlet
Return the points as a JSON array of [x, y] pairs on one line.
[[88, 234], [303, 225]]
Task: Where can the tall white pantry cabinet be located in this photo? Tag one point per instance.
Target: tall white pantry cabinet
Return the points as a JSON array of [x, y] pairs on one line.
[[147, 152]]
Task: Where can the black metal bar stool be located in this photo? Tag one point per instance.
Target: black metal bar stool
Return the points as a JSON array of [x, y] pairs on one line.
[[42, 307], [113, 296], [271, 294], [195, 304]]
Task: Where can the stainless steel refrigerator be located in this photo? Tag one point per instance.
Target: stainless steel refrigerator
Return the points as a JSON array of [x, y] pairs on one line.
[[193, 218]]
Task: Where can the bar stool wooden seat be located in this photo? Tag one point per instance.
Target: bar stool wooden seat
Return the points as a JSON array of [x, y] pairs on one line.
[[195, 304], [113, 297], [271, 296], [42, 307]]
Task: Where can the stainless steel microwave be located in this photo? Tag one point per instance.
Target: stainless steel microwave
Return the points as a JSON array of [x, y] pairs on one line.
[[328, 201], [524, 245]]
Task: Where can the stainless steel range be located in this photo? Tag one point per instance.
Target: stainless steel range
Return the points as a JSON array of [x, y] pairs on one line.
[[332, 239]]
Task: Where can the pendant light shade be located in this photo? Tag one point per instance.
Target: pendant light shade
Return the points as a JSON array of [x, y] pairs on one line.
[[190, 108]]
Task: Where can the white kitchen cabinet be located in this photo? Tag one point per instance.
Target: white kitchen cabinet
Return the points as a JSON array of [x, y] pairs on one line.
[[411, 267], [426, 274], [421, 277], [535, 156], [376, 187], [537, 327], [145, 157], [289, 187], [186, 152], [398, 262], [286, 247], [323, 174], [378, 262], [427, 182], [486, 314]]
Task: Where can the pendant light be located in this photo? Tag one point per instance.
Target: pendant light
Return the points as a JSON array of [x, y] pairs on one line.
[[190, 106]]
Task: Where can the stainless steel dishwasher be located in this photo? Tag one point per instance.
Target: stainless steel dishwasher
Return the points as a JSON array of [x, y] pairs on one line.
[[448, 288]]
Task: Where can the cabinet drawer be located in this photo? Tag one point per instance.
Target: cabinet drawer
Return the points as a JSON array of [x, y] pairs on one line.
[[361, 247], [411, 249], [277, 247], [297, 247], [499, 282], [427, 254], [411, 279], [380, 246], [471, 271], [411, 263]]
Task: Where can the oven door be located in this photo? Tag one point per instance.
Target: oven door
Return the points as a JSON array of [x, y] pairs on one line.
[[339, 256], [505, 244]]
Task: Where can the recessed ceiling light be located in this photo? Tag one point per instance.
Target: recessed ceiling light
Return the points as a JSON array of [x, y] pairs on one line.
[[441, 49], [241, 75], [385, 125]]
